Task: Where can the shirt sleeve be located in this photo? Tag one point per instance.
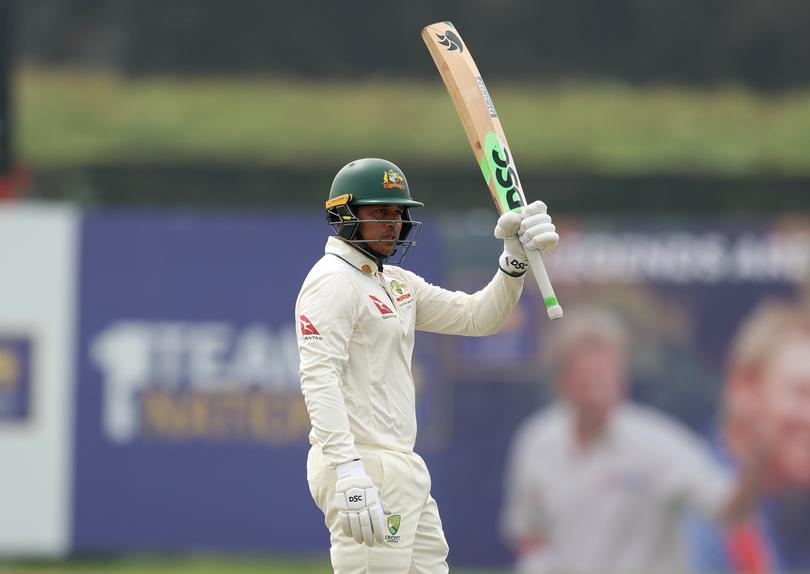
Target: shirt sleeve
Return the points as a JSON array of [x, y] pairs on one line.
[[522, 514], [692, 478], [457, 313], [325, 314]]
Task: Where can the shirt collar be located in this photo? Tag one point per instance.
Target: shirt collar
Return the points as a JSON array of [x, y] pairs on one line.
[[354, 257], [609, 434]]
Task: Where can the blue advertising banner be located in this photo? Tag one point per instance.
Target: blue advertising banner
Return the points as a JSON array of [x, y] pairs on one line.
[[191, 432], [683, 288], [191, 428]]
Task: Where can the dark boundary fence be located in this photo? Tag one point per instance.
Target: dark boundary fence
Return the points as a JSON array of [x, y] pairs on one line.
[[6, 156], [270, 189], [762, 43]]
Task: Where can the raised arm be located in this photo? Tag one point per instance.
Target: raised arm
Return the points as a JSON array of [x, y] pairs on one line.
[[457, 313], [484, 312]]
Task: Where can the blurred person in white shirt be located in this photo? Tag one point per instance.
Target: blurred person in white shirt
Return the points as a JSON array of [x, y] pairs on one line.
[[595, 483]]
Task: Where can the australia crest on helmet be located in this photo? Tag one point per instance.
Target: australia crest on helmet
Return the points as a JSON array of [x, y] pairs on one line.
[[393, 179]]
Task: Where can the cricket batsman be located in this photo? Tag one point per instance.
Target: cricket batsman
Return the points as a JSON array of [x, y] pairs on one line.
[[357, 314]]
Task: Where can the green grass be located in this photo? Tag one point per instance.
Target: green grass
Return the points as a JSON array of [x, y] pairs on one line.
[[70, 118], [196, 565], [199, 565]]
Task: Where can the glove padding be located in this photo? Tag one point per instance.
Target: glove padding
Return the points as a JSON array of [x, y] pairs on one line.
[[360, 508], [513, 260], [536, 230]]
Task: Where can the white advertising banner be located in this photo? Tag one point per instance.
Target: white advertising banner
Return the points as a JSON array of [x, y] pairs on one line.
[[38, 261]]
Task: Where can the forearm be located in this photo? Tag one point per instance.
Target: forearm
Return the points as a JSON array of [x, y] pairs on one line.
[[492, 305], [329, 418], [459, 313]]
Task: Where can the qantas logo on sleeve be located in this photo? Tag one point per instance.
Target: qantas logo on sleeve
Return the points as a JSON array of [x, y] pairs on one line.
[[381, 307], [307, 328]]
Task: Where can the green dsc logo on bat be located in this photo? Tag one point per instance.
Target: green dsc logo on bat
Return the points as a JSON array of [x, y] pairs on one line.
[[497, 163]]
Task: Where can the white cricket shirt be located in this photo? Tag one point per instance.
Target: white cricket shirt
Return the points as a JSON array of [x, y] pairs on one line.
[[616, 507], [355, 340]]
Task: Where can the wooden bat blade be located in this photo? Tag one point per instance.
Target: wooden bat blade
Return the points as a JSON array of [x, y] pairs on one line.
[[485, 134], [469, 95], [477, 112]]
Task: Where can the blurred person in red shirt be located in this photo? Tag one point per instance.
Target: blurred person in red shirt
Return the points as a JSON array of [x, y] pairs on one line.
[[767, 392], [598, 484]]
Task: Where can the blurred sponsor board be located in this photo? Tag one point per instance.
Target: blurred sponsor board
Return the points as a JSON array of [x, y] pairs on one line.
[[199, 381], [191, 427], [15, 377]]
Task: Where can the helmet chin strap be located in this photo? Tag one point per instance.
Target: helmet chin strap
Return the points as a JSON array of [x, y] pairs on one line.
[[379, 258]]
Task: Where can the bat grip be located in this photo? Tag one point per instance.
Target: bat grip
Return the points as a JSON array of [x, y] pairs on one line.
[[539, 271]]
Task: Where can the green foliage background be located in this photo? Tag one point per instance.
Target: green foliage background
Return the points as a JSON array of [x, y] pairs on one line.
[[72, 118]]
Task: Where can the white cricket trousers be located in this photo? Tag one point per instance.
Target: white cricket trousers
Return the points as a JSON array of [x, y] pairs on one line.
[[414, 541]]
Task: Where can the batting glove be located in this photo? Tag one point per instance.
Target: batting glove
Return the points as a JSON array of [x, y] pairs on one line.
[[513, 260], [359, 505], [536, 230]]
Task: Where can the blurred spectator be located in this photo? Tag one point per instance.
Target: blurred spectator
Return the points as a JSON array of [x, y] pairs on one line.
[[768, 392], [597, 484]]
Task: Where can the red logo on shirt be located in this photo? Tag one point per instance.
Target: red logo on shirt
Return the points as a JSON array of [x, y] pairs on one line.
[[307, 328], [381, 307]]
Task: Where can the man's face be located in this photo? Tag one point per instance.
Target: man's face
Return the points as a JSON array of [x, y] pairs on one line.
[[592, 381], [783, 396], [381, 235]]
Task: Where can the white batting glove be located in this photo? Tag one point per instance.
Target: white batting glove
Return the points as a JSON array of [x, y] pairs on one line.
[[536, 230], [359, 505], [513, 260]]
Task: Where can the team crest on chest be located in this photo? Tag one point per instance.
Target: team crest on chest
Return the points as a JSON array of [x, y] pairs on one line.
[[401, 291]]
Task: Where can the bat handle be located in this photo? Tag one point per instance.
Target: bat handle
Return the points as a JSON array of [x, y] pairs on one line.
[[539, 271]]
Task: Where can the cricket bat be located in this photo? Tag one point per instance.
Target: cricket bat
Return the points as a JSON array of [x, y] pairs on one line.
[[485, 134]]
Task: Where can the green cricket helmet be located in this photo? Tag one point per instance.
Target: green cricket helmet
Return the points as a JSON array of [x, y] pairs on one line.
[[371, 181]]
